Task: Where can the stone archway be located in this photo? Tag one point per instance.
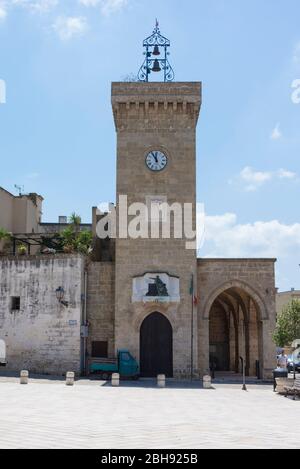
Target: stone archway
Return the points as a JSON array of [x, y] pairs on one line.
[[156, 346], [237, 284], [235, 314]]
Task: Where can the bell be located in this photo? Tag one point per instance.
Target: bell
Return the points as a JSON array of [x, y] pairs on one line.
[[156, 50], [156, 66]]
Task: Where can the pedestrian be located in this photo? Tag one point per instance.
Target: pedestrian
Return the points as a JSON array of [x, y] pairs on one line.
[[282, 360]]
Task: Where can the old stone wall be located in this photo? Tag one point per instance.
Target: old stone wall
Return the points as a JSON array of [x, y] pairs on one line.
[[43, 335], [100, 305]]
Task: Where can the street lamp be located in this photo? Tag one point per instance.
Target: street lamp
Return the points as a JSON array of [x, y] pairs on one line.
[[60, 293]]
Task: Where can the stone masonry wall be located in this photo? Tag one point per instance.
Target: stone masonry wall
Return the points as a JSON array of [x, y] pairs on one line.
[[100, 304], [43, 336], [156, 116]]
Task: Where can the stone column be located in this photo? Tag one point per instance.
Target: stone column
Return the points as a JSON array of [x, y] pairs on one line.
[[268, 348], [203, 346]]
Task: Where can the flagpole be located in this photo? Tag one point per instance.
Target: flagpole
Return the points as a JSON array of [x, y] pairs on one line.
[[192, 328]]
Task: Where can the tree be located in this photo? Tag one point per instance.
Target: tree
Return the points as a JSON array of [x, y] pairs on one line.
[[84, 242], [68, 239], [288, 324], [75, 221], [4, 237], [74, 240]]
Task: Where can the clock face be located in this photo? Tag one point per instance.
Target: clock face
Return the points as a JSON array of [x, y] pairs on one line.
[[156, 160]]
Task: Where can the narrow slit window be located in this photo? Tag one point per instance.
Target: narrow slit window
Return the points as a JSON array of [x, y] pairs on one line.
[[15, 303]]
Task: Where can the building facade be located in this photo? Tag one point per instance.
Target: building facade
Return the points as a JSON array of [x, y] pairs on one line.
[[284, 298], [176, 314], [20, 214]]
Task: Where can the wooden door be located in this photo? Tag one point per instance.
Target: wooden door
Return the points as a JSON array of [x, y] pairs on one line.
[[156, 346]]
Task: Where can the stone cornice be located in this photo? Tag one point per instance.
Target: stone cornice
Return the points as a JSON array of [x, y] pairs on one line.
[[137, 105], [237, 259]]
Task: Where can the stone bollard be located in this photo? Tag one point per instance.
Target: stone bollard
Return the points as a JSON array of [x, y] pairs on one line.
[[115, 379], [24, 374], [70, 376], [161, 381], [207, 382]]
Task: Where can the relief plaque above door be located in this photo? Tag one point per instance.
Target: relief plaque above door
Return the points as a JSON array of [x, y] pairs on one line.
[[155, 287]]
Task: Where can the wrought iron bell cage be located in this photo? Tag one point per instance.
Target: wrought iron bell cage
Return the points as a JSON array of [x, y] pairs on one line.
[[156, 57]]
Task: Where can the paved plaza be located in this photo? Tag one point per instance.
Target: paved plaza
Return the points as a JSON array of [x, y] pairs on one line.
[[91, 414]]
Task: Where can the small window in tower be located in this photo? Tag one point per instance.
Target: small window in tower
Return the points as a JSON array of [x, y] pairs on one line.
[[15, 303], [99, 349]]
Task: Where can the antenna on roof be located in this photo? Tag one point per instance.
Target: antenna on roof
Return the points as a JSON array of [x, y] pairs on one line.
[[20, 189]]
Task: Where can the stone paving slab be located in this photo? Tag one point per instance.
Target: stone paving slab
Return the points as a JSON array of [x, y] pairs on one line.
[[92, 414]]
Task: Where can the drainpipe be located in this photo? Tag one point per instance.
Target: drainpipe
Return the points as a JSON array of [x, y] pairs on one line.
[[84, 321]]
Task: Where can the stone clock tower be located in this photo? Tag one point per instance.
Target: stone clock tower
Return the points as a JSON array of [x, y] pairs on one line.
[[140, 282], [156, 163]]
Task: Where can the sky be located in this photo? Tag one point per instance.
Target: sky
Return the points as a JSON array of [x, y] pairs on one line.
[[57, 136]]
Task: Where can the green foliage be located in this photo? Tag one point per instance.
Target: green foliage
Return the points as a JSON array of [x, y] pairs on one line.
[[84, 241], [5, 238], [288, 324], [4, 235], [75, 220], [74, 240], [22, 249], [68, 238]]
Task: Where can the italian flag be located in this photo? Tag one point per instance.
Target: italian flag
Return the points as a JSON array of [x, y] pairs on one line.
[[192, 293]]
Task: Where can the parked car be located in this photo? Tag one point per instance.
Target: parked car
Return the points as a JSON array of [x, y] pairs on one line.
[[293, 362]]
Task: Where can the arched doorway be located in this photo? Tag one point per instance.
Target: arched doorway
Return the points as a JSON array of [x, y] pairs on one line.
[[235, 331], [156, 346], [219, 338]]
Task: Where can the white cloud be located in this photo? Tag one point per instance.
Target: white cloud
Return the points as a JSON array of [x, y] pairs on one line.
[[38, 6], [89, 3], [67, 27], [3, 12], [225, 237], [111, 6], [34, 6], [276, 133], [251, 180], [254, 179], [285, 174], [107, 6], [257, 177]]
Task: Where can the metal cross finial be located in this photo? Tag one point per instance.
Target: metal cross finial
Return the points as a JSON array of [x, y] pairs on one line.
[[156, 60]]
